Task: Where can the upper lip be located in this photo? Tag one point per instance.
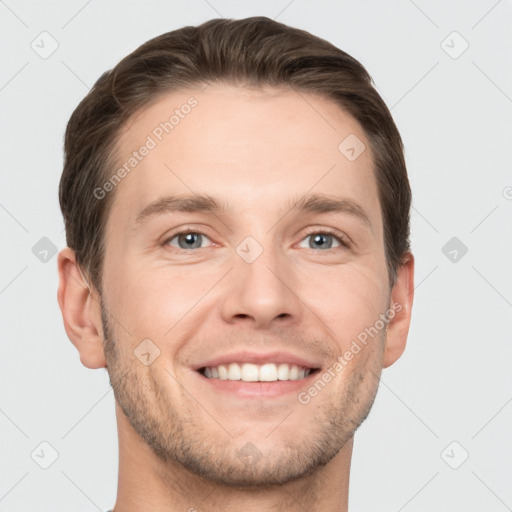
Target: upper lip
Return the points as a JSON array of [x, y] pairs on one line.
[[257, 358]]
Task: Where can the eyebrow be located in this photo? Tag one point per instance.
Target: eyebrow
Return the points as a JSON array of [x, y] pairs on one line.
[[312, 203]]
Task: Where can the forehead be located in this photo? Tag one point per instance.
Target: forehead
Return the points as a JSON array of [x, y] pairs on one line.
[[249, 147]]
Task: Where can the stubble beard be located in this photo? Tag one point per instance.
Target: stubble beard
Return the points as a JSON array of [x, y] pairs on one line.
[[179, 441]]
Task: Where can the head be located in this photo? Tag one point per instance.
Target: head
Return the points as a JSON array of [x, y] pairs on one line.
[[239, 186]]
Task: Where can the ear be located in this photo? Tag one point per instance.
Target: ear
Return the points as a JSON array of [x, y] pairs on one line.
[[81, 311], [402, 296]]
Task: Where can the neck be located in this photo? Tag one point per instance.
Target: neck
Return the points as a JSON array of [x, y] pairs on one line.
[[147, 483]]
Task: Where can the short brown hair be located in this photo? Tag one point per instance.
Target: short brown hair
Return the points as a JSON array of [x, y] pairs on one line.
[[255, 51]]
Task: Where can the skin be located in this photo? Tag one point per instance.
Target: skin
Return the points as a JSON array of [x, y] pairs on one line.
[[178, 437]]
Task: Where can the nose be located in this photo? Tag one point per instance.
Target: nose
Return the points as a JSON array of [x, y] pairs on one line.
[[262, 292]]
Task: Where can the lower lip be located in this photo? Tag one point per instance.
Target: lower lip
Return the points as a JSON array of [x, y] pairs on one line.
[[258, 389]]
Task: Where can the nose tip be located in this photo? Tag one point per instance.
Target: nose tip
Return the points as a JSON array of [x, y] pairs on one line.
[[261, 293]]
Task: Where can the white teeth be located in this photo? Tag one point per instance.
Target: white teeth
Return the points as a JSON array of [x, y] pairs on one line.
[[234, 372], [283, 370], [223, 372], [268, 372], [248, 372]]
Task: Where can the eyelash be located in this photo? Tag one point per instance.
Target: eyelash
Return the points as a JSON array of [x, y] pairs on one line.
[[314, 231], [335, 234]]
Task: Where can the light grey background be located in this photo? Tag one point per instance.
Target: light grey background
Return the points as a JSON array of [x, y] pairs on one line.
[[453, 383]]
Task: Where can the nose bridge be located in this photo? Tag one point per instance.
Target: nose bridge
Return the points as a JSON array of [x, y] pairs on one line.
[[262, 280]]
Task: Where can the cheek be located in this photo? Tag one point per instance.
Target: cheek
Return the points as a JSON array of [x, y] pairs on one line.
[[152, 300], [157, 303], [348, 299]]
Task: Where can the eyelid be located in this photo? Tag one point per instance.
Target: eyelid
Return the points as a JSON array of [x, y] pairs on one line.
[[343, 239], [185, 230]]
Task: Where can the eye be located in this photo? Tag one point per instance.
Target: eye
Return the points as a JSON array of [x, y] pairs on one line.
[[187, 240], [323, 240]]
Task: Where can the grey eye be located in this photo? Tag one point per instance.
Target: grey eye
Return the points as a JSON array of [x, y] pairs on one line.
[[188, 240], [322, 240]]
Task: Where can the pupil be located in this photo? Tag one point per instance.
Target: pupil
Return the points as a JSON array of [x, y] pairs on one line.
[[189, 237], [320, 239]]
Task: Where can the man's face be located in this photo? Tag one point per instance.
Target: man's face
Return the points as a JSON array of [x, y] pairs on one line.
[[256, 282]]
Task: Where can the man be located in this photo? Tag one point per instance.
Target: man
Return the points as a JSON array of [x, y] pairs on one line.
[[236, 206]]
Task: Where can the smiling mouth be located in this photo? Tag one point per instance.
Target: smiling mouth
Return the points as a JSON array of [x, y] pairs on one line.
[[249, 372]]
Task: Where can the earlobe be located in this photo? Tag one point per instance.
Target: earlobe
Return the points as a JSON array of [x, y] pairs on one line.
[[401, 303], [81, 311]]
